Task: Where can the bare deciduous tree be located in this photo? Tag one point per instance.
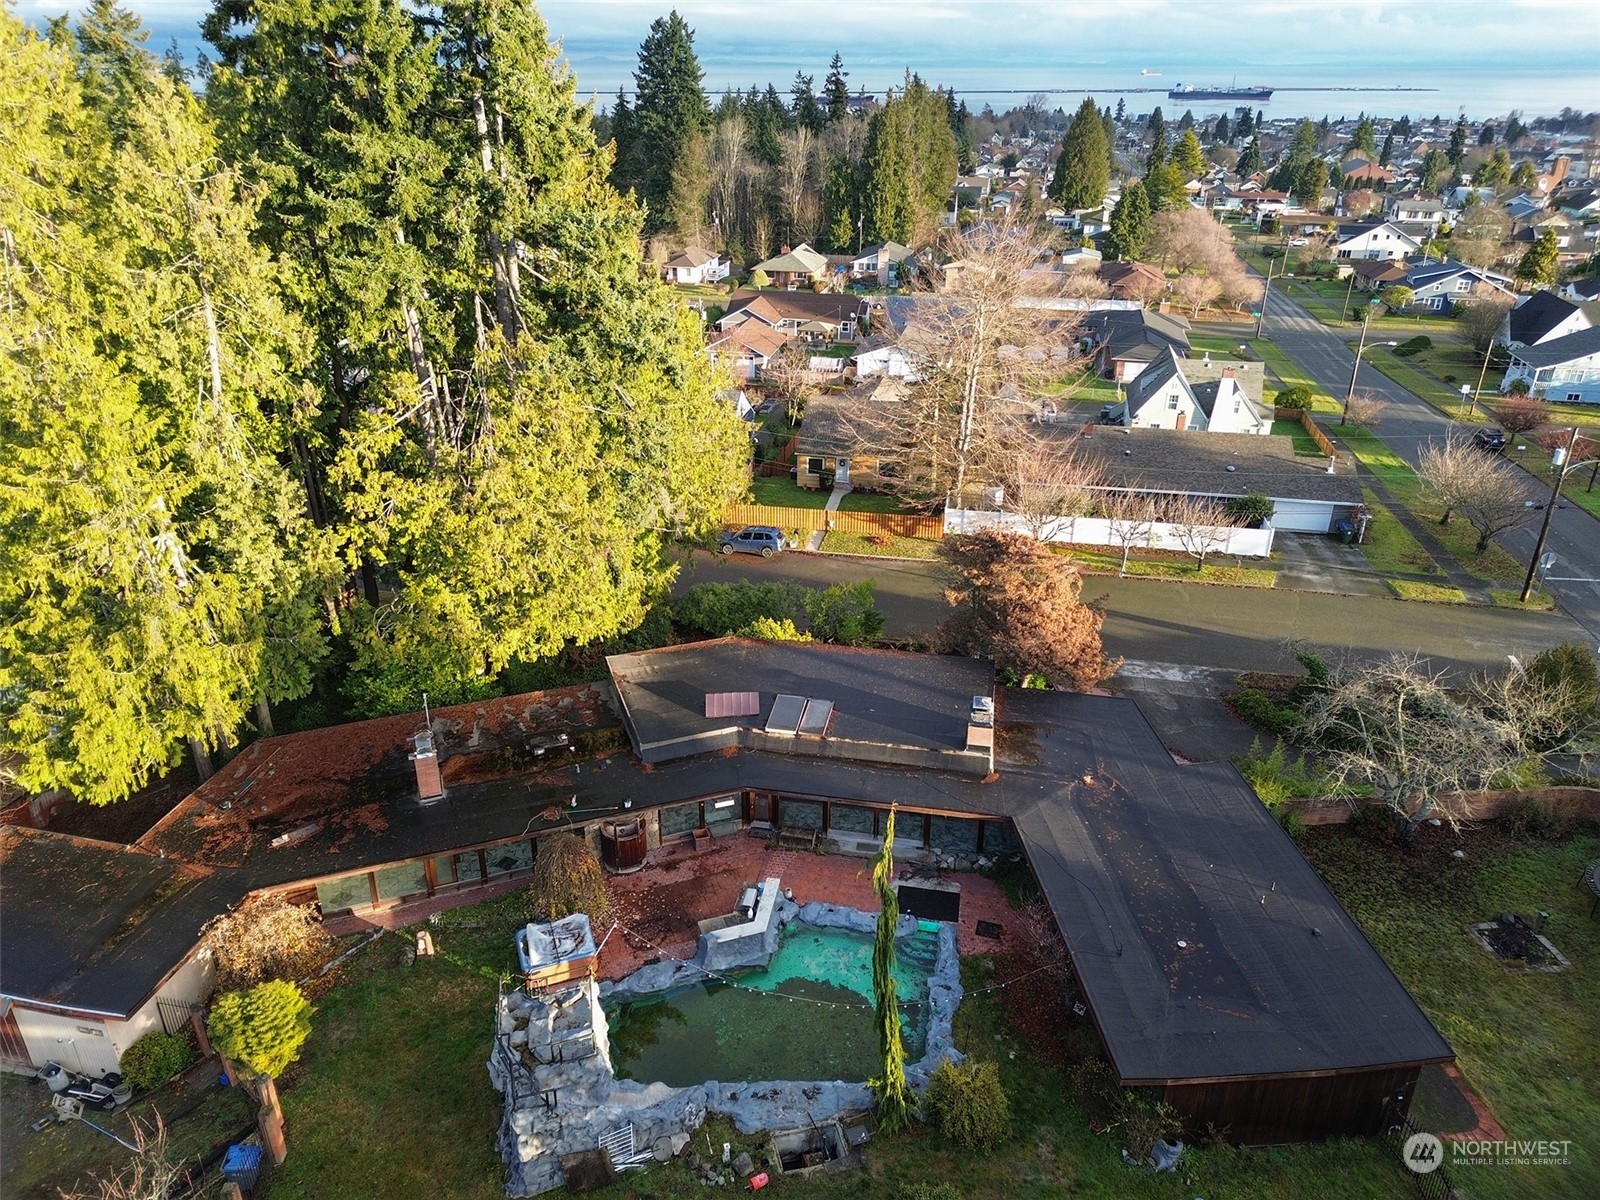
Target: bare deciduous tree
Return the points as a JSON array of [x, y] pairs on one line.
[[1480, 316], [1190, 239], [1365, 411], [1131, 518], [1521, 414], [1196, 291], [1200, 524], [788, 373], [1491, 495], [1048, 483], [1240, 291], [987, 352], [796, 198], [1397, 727], [1084, 284]]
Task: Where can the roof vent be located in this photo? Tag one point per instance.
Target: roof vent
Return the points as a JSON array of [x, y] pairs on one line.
[[982, 710], [430, 786]]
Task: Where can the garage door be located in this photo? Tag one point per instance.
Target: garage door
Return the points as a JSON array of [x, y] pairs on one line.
[[1302, 516]]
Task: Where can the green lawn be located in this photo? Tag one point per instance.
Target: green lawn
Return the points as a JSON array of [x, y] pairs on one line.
[[1303, 442], [1527, 1042], [871, 502], [781, 492], [1219, 344], [893, 547], [1218, 570]]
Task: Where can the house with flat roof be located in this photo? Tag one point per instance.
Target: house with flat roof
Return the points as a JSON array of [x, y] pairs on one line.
[[1210, 960]]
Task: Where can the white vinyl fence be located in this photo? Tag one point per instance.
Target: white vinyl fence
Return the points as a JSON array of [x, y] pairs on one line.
[[1097, 531]]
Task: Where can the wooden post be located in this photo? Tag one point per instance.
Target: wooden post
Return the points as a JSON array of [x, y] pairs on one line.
[[269, 1118], [197, 1019]]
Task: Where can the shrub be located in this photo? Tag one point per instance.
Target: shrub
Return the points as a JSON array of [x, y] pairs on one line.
[[567, 879], [262, 1028], [767, 629], [1250, 510], [1414, 345], [1298, 396], [722, 608], [1570, 676], [1095, 1086], [1260, 711], [1529, 818], [155, 1058], [1291, 822], [844, 614], [1145, 1119], [968, 1105], [1275, 777], [265, 938]]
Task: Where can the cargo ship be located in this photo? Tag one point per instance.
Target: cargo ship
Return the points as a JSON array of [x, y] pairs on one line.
[[1184, 92]]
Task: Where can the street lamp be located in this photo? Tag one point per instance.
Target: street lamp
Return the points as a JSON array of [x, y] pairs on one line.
[[1561, 459], [1355, 366]]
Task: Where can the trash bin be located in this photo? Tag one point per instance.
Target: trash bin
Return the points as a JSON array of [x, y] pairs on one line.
[[242, 1165], [1345, 531]]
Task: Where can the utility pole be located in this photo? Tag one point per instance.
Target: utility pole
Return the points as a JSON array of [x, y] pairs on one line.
[[1355, 366], [1266, 291], [1562, 460]]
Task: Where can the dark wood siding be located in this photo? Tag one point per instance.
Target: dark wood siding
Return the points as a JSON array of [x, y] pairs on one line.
[[1291, 1108]]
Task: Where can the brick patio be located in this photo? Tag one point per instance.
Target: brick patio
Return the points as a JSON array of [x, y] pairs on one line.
[[658, 909]]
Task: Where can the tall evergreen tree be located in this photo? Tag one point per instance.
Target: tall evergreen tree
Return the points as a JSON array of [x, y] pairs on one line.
[[890, 1089], [836, 90], [1458, 143], [803, 107], [1364, 139], [159, 576], [1221, 134], [1186, 122], [1542, 262], [1129, 228], [961, 130], [840, 206], [1157, 125], [1402, 129], [1250, 160], [623, 146], [1082, 173], [1165, 188], [908, 164], [1109, 124], [1246, 126], [1188, 157], [1309, 183], [670, 108], [1121, 109], [1387, 152]]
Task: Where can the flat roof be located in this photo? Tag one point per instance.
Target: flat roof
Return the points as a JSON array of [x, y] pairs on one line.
[[881, 698]]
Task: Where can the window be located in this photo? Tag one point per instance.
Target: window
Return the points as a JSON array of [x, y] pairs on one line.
[[813, 466], [679, 818], [1172, 402], [1574, 397], [1238, 406], [406, 879]]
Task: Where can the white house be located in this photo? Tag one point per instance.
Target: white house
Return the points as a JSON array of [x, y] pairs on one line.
[[1541, 317], [889, 360], [1565, 369], [1368, 241], [1416, 210], [693, 265], [1203, 396]]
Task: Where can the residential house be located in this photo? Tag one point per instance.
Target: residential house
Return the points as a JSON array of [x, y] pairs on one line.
[[1564, 369], [694, 266], [1126, 341], [842, 312], [880, 263], [1435, 286], [1581, 291], [883, 358], [1133, 280], [1374, 240], [1541, 317], [795, 268], [1415, 210], [839, 432], [747, 348], [1375, 274], [1367, 174], [1201, 396]]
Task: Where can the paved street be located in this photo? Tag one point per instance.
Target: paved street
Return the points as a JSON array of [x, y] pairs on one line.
[[1151, 620], [1409, 424]]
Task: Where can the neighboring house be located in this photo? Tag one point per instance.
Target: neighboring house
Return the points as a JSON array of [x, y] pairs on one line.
[[795, 268], [1367, 173], [1373, 275], [1435, 286], [1374, 240], [1197, 395], [1581, 291], [886, 359], [695, 266], [836, 434], [1541, 317], [880, 263], [788, 311], [1415, 210], [1521, 207], [1133, 280], [746, 349], [1126, 341], [1564, 369]]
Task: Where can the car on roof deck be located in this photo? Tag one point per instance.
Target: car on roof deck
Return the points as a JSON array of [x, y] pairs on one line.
[[1492, 440], [765, 540]]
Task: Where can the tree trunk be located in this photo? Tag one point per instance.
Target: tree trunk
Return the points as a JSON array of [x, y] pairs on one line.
[[369, 583], [264, 716], [202, 759], [1127, 548]]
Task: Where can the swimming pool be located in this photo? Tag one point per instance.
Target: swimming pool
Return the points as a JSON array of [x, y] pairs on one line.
[[806, 1015]]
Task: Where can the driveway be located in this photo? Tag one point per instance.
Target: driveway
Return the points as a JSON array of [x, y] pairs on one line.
[[1410, 423], [1315, 562], [1243, 629]]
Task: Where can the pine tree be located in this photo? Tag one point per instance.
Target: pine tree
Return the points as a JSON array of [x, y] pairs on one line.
[[1402, 129], [1246, 126], [839, 206], [1458, 143], [1387, 153], [1129, 227], [1364, 139], [622, 142], [669, 109], [1165, 189], [1121, 108], [890, 1089], [908, 164], [1186, 122], [1311, 181], [1110, 126], [1082, 174], [836, 90], [803, 106], [1542, 262], [1188, 157], [1221, 134], [1250, 160]]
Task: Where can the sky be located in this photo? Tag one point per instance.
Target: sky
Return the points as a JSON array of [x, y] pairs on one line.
[[1479, 54]]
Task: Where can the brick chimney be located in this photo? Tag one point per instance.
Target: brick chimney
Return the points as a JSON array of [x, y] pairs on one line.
[[1227, 373]]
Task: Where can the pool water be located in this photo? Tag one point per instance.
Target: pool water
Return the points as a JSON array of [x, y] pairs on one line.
[[809, 1016]]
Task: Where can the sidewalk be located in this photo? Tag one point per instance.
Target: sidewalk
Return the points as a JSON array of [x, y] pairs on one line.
[[840, 491]]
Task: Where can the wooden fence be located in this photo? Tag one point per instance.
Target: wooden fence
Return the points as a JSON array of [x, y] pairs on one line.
[[809, 520], [1309, 424], [780, 462]]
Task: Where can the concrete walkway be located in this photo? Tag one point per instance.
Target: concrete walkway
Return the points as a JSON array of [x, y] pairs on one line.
[[840, 491]]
